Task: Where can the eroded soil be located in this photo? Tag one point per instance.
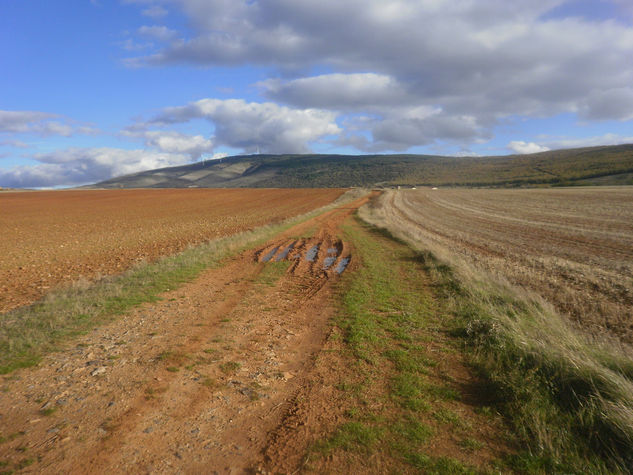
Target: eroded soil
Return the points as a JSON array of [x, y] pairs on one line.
[[55, 237], [235, 372], [202, 376]]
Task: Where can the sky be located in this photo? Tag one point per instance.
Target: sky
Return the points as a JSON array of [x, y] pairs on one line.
[[92, 89]]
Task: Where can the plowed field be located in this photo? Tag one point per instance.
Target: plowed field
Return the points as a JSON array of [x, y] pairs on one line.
[[50, 238], [572, 246]]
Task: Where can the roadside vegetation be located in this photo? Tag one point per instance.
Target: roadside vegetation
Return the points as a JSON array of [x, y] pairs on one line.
[[567, 397], [27, 333], [410, 403]]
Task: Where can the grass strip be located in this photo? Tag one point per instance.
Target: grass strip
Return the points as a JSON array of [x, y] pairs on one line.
[[387, 319], [568, 399], [28, 333]]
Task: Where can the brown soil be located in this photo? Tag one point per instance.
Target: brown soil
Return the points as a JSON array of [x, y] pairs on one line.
[[55, 237], [235, 372], [151, 392]]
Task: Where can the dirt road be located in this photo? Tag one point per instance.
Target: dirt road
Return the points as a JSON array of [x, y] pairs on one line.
[[197, 383]]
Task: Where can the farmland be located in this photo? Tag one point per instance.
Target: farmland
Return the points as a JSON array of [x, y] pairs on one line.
[[55, 237], [324, 345], [573, 246]]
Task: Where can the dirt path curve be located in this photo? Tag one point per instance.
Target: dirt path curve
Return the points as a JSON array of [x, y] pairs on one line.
[[192, 384]]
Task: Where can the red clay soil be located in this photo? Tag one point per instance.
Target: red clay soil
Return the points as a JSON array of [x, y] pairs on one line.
[[194, 383], [55, 237], [235, 372]]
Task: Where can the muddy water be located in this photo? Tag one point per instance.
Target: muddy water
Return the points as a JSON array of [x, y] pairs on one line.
[[342, 265], [285, 252], [270, 255], [312, 253]]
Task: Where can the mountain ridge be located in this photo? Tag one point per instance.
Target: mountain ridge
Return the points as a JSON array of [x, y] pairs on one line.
[[602, 165]]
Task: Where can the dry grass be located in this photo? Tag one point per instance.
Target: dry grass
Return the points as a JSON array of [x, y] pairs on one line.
[[568, 394], [574, 247]]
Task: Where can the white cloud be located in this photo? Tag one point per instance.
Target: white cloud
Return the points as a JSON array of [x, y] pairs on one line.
[[569, 142], [173, 142], [14, 143], [39, 123], [519, 146], [338, 91], [76, 166], [253, 126], [484, 59]]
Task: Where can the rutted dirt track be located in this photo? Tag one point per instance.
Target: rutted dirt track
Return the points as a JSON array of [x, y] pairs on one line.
[[199, 382], [55, 237]]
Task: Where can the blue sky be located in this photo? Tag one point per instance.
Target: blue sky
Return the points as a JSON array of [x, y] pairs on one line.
[[95, 89]]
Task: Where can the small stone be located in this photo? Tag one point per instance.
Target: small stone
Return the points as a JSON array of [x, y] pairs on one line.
[[98, 371], [149, 430]]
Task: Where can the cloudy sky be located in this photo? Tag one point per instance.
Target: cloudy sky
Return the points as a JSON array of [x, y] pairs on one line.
[[91, 89]]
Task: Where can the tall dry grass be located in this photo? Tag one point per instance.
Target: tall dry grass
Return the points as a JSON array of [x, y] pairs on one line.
[[569, 396]]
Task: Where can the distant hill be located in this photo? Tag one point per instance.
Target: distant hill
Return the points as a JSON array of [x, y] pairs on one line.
[[582, 166]]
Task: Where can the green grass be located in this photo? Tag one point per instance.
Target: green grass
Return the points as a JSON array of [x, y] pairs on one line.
[[28, 333], [568, 398], [272, 272], [230, 367], [386, 312]]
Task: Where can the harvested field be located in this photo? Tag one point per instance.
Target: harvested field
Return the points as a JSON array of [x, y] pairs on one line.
[[573, 246], [55, 237]]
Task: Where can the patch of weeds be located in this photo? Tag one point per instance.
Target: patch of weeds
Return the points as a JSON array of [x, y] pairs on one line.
[[409, 360], [446, 416], [409, 390], [172, 369], [225, 320], [412, 430], [272, 272], [22, 464], [353, 388], [485, 411], [173, 358], [352, 436], [151, 393], [49, 411], [209, 382], [469, 444], [230, 367]]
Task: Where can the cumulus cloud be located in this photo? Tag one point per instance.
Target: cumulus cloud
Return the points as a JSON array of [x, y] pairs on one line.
[[40, 123], [339, 91], [76, 166], [252, 126], [521, 147], [614, 103], [486, 59], [173, 142], [575, 142]]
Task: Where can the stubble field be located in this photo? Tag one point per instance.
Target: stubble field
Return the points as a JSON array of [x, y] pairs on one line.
[[50, 238], [572, 246]]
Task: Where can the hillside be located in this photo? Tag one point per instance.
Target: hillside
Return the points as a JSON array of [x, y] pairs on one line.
[[583, 166]]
